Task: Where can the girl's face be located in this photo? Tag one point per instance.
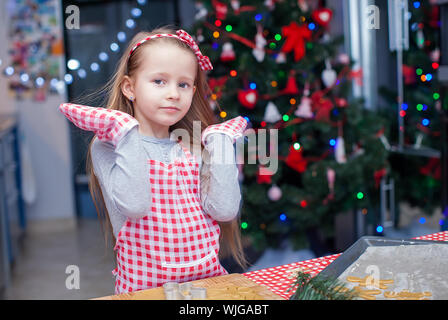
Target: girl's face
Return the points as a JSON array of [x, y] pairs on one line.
[[162, 87]]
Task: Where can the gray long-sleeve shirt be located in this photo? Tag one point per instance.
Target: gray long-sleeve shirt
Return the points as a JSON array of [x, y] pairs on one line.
[[123, 174]]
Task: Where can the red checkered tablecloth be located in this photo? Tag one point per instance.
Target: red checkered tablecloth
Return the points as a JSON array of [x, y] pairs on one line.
[[280, 279]]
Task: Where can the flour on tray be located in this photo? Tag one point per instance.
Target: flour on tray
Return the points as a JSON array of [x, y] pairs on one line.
[[413, 268]]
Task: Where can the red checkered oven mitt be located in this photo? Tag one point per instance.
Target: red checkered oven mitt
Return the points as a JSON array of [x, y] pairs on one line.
[[108, 125], [234, 128]]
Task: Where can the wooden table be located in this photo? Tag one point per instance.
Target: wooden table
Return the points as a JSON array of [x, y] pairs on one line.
[[218, 287]]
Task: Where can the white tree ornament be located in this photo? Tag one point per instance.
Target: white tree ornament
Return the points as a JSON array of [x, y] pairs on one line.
[[201, 11], [271, 114], [260, 43], [281, 58], [304, 109], [339, 152], [329, 76]]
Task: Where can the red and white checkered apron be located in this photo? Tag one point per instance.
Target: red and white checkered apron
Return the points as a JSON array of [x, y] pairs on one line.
[[176, 241]]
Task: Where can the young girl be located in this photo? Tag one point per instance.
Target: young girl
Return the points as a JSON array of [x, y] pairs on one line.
[[165, 205]]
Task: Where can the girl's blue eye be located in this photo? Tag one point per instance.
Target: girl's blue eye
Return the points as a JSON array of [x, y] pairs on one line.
[[183, 85]]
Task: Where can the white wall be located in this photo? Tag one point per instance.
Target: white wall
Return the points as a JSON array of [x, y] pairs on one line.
[[47, 133]]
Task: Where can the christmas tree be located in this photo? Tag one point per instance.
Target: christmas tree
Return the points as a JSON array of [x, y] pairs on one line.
[[276, 64], [420, 111]]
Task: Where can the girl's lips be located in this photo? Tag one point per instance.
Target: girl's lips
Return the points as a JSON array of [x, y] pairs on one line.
[[170, 109]]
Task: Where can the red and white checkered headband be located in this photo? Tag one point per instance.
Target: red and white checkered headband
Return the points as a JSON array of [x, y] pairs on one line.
[[204, 61]]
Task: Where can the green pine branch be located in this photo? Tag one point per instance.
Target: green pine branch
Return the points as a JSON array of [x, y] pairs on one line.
[[320, 288]]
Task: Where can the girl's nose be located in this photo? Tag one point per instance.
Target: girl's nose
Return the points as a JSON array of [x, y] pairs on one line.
[[173, 92]]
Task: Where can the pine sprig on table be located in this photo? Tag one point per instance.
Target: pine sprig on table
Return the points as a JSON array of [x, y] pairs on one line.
[[320, 288]]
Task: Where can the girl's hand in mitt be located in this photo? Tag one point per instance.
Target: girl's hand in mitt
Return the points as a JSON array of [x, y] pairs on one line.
[[109, 125], [233, 128]]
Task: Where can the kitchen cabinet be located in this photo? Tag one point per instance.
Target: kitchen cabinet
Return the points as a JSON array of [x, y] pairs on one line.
[[12, 213]]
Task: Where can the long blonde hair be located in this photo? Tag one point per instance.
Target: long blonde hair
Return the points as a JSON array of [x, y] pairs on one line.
[[230, 238]]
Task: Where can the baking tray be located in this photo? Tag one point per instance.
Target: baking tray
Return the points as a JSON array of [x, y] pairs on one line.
[[338, 266]]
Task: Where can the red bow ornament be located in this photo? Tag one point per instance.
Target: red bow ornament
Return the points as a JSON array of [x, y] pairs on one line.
[[217, 84], [295, 39]]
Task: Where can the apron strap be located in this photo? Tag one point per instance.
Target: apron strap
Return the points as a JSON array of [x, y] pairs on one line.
[[187, 152]]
